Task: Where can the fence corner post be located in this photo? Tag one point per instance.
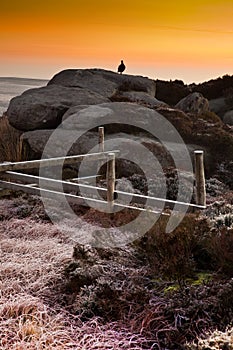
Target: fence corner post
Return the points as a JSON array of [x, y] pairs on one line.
[[200, 190]]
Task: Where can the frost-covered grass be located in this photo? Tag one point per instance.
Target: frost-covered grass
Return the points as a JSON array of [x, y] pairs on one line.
[[58, 295], [32, 316]]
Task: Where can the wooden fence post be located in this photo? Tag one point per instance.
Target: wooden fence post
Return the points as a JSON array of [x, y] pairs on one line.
[[101, 139], [101, 149], [111, 177], [200, 178]]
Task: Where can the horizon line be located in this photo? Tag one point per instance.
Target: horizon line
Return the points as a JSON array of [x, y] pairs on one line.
[[168, 80]]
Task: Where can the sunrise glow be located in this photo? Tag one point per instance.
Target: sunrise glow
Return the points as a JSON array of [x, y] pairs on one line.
[[167, 39]]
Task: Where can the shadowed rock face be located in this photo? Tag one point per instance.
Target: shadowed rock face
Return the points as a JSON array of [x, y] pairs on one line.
[[44, 107]]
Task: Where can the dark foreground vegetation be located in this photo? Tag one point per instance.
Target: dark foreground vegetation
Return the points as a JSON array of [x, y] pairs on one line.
[[163, 291], [173, 91]]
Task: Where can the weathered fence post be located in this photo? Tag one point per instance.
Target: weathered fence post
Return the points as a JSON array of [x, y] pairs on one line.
[[101, 149], [111, 177], [101, 139], [200, 178]]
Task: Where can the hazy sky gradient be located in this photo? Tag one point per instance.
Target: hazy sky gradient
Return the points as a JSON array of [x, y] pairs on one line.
[[165, 39]]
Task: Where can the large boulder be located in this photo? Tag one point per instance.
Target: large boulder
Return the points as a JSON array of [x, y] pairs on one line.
[[126, 125], [82, 122], [117, 117], [103, 81], [35, 141], [228, 117], [193, 103], [219, 106], [44, 107]]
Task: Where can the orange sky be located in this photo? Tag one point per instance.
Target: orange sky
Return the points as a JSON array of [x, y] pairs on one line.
[[165, 39]]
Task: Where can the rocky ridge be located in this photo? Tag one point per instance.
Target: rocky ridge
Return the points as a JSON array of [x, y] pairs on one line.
[[88, 98]]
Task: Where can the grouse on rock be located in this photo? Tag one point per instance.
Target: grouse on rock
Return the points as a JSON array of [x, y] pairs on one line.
[[121, 67]]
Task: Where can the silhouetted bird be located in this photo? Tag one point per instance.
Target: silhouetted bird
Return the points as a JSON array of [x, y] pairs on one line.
[[121, 67]]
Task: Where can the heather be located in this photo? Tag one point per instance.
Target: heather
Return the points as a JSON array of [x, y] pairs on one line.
[[10, 142], [58, 294]]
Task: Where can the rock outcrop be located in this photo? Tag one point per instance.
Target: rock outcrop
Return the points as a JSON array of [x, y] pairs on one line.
[[193, 103], [76, 101], [80, 125], [116, 116], [125, 124], [103, 81], [43, 108]]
